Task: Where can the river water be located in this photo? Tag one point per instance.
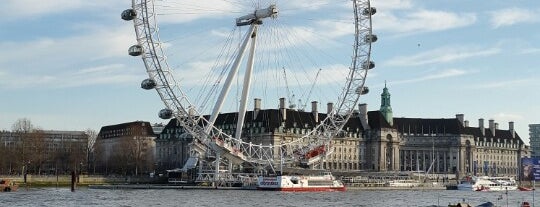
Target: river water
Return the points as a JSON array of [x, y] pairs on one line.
[[210, 198]]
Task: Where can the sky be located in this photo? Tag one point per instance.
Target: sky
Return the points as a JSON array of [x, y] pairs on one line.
[[64, 64]]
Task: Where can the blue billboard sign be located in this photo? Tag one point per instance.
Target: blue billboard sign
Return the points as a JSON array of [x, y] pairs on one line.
[[530, 169]]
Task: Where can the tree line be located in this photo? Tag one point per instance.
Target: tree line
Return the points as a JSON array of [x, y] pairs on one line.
[[29, 150]]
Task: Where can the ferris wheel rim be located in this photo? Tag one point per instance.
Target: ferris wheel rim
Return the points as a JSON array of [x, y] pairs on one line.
[[184, 111]]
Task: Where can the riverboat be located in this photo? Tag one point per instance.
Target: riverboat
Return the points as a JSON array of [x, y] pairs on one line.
[[297, 183], [522, 188], [409, 183], [8, 185], [486, 183]]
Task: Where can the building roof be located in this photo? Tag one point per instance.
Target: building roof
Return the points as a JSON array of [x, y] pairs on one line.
[[449, 126], [271, 119], [376, 120], [427, 126], [122, 129], [501, 134]]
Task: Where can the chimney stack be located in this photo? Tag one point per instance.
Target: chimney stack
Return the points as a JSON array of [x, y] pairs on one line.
[[511, 129], [282, 108], [492, 126], [256, 107], [363, 115], [329, 108], [496, 126], [315, 111], [481, 126], [460, 118], [466, 123]]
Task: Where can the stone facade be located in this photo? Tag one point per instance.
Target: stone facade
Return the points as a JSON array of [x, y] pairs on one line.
[[127, 148], [172, 147], [376, 141]]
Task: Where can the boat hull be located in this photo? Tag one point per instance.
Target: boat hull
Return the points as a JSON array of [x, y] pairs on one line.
[[298, 183], [525, 189], [486, 183], [492, 188], [308, 189]]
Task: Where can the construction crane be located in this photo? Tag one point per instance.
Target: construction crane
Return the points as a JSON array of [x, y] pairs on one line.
[[289, 97], [301, 105], [311, 89]]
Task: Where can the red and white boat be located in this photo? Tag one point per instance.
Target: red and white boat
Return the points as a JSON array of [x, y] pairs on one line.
[[521, 188], [297, 183], [485, 183]]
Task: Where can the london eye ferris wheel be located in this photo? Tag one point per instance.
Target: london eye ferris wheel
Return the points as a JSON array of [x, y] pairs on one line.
[[209, 57]]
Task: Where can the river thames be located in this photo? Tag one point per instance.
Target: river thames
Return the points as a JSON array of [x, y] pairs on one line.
[[210, 198]]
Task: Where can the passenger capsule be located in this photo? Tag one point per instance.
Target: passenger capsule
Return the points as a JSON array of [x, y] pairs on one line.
[[368, 65], [369, 11], [165, 114], [148, 84], [129, 14], [370, 38], [135, 50], [362, 90]]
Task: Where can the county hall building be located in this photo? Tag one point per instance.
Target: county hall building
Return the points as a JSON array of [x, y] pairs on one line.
[[375, 141]]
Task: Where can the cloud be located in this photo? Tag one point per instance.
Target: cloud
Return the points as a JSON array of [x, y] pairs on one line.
[[512, 16], [16, 9], [506, 84], [442, 55], [419, 21], [333, 29], [288, 5], [94, 44], [289, 37], [199, 71], [382, 5], [435, 76], [86, 59], [171, 12], [530, 51], [99, 75]]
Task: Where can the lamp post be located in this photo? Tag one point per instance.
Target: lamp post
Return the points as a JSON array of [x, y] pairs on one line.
[[80, 172], [534, 189], [25, 170]]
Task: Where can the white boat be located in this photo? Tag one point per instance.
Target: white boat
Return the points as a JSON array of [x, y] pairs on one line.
[[403, 183], [486, 183], [324, 182]]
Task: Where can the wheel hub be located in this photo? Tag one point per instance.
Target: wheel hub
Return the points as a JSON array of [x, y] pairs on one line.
[[257, 16]]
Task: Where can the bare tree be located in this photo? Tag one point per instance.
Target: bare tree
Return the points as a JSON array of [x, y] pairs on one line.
[[23, 125], [4, 163], [92, 136], [37, 147], [140, 152], [90, 149], [77, 155], [22, 128]]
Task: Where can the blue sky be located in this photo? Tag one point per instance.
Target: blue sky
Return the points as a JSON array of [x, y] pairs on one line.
[[64, 64]]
